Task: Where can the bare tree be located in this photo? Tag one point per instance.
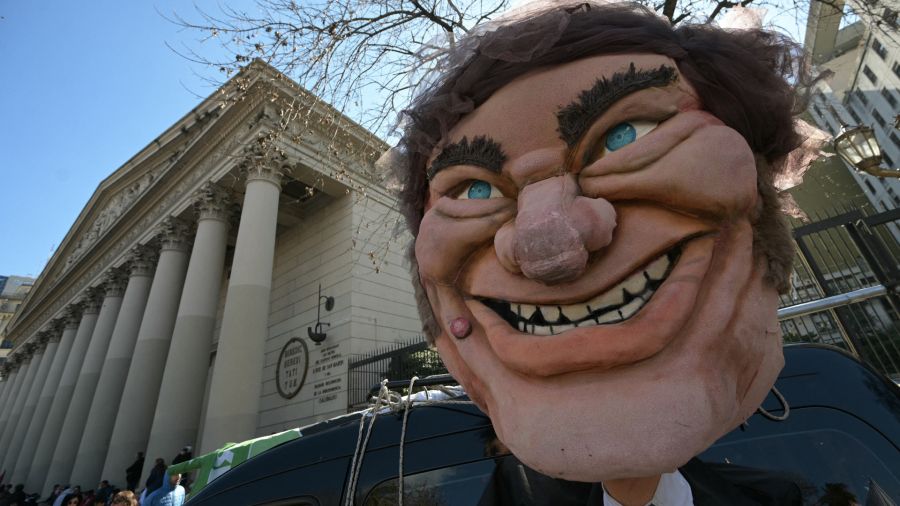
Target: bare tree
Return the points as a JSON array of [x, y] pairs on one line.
[[363, 56], [359, 55], [355, 55]]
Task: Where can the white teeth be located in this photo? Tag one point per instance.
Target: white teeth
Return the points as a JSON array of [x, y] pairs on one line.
[[613, 301], [576, 312], [610, 316], [610, 298], [551, 314], [657, 268], [635, 284], [527, 310], [631, 308], [541, 330]]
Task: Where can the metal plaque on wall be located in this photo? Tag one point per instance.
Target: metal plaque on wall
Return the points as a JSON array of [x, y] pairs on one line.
[[290, 372]]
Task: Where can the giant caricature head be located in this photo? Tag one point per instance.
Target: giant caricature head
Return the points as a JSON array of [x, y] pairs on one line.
[[597, 240]]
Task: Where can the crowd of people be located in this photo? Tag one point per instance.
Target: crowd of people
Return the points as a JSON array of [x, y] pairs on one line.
[[160, 489]]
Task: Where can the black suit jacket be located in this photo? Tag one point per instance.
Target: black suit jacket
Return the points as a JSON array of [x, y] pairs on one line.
[[514, 484]]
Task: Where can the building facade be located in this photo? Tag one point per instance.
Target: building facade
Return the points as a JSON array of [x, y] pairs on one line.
[[863, 59], [180, 307], [13, 290]]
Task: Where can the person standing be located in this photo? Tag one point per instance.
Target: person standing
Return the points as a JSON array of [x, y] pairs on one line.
[[133, 472], [169, 494], [155, 480], [184, 455], [18, 495], [104, 492]]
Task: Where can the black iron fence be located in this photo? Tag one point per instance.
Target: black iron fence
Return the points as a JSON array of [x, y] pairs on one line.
[[839, 253], [398, 361]]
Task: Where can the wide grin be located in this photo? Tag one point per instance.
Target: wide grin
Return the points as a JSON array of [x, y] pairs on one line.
[[615, 305]]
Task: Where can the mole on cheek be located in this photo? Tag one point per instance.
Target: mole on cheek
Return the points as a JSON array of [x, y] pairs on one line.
[[460, 327]]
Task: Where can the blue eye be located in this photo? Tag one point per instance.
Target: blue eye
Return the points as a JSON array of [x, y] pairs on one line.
[[479, 189], [620, 136]]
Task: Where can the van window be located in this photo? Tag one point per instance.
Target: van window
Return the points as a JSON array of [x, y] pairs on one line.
[[299, 501], [461, 485], [830, 461], [501, 480]]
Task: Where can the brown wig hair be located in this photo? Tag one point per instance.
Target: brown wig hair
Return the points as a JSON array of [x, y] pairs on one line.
[[743, 77], [126, 497]]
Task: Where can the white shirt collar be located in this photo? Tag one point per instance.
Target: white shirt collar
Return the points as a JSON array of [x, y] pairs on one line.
[[672, 490]]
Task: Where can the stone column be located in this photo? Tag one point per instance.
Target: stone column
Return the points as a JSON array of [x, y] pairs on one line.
[[4, 373], [91, 450], [11, 371], [17, 376], [33, 356], [26, 418], [64, 334], [177, 415], [54, 425], [4, 386], [231, 413], [131, 423], [126, 306]]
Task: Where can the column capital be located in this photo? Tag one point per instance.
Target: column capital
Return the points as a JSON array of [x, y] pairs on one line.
[[44, 337], [40, 345], [19, 358], [213, 202], [114, 283], [174, 234], [142, 260], [28, 350], [55, 329], [72, 315], [57, 324], [264, 161]]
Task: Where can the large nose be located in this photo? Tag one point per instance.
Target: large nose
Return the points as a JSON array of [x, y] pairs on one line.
[[555, 231]]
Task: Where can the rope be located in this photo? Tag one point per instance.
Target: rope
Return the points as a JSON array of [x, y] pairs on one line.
[[394, 402], [361, 443], [784, 404], [406, 411]]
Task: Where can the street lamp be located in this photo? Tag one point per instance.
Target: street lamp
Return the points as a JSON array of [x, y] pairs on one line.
[[317, 333], [859, 148]]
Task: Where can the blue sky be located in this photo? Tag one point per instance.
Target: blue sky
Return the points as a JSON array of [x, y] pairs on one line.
[[85, 85]]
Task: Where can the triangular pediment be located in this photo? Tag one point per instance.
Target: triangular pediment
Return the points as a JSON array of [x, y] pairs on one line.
[[157, 178]]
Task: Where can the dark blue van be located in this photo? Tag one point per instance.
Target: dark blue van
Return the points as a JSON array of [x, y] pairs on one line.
[[840, 444]]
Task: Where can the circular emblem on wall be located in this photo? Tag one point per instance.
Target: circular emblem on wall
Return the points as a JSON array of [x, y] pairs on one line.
[[290, 372]]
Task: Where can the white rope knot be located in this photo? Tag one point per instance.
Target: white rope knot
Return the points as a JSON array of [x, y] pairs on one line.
[[388, 401]]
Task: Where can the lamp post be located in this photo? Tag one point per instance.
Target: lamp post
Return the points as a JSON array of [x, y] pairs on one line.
[[317, 333], [857, 146]]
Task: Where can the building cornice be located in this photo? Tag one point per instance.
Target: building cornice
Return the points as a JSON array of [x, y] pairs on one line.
[[202, 155], [162, 181]]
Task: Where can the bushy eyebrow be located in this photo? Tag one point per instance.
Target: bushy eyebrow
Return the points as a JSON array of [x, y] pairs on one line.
[[576, 118], [482, 152]]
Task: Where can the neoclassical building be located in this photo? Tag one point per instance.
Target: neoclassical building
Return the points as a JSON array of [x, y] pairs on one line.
[[179, 307], [13, 290]]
